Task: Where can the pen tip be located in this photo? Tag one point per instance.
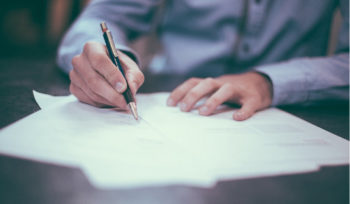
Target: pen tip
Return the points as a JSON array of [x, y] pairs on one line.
[[133, 109]]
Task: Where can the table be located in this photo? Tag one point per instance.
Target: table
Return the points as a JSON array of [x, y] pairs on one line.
[[24, 181]]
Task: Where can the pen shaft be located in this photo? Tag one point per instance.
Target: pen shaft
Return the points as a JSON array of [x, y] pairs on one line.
[[115, 59], [113, 55], [127, 94]]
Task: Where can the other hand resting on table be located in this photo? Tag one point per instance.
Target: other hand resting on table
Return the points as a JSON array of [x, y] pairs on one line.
[[252, 90]]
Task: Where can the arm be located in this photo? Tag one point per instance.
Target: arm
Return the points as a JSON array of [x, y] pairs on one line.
[[127, 19], [307, 80], [94, 78], [295, 81]]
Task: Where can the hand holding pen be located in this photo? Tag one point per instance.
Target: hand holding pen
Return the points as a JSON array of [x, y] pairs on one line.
[[95, 80], [114, 56]]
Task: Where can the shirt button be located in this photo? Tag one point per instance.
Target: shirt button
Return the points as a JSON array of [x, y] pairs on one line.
[[245, 48]]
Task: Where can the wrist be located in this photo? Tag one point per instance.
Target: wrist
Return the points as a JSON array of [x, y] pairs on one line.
[[267, 84]]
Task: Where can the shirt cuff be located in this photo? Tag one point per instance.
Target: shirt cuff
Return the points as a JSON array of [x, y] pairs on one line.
[[289, 82]]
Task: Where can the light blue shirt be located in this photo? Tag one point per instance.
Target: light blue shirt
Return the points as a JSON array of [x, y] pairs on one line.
[[284, 39]]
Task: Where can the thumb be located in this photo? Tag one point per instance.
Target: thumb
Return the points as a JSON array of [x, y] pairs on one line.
[[247, 110]]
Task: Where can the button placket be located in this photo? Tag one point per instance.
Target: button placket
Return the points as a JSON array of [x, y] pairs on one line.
[[245, 47], [257, 12]]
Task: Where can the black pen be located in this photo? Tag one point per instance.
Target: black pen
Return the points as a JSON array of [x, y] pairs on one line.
[[113, 55]]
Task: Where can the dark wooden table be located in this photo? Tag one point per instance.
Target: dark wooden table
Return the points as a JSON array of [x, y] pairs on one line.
[[23, 181]]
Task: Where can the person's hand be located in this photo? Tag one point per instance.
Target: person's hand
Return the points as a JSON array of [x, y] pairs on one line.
[[251, 90], [95, 80]]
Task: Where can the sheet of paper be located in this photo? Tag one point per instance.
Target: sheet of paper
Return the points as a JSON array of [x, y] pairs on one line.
[[168, 146]]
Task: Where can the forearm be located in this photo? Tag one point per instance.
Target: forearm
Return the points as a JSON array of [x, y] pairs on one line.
[[309, 79], [125, 18], [82, 31]]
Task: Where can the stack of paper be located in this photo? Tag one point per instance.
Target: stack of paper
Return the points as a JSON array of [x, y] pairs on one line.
[[168, 146]]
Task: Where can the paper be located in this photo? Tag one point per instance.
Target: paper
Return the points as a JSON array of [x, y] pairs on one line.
[[168, 146]]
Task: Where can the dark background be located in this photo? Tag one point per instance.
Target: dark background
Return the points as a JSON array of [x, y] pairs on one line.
[[33, 28]]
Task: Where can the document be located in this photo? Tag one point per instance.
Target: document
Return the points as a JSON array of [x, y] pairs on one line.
[[167, 146]]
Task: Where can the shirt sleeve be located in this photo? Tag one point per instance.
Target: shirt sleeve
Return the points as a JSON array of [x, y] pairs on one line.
[[127, 19], [306, 80]]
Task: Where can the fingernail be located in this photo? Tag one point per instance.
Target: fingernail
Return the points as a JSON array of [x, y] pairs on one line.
[[239, 115], [170, 102], [203, 110], [119, 86], [183, 106]]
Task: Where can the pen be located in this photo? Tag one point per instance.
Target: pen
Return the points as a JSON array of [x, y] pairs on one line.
[[113, 54]]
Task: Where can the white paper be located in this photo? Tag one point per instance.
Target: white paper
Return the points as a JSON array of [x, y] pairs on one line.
[[168, 146]]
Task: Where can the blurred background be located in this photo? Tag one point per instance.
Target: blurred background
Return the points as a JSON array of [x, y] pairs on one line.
[[33, 29]]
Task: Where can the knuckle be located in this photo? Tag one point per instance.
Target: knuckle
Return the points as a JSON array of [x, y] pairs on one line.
[[140, 77], [193, 80], [192, 95], [88, 46], [98, 60], [209, 81], [137, 77], [75, 61], [228, 86], [181, 90], [92, 81], [111, 75]]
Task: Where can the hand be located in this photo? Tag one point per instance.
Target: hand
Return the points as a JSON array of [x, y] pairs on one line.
[[251, 90], [95, 80]]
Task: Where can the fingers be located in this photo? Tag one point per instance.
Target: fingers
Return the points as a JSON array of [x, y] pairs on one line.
[[82, 97], [202, 89], [77, 82], [180, 92], [251, 90], [247, 110], [97, 57], [133, 74], [224, 93], [228, 93], [93, 84]]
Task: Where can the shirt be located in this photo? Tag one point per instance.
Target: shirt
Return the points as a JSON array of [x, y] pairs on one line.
[[286, 40]]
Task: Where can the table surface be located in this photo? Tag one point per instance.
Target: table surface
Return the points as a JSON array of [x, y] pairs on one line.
[[24, 181]]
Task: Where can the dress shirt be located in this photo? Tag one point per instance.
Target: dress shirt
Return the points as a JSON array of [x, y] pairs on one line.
[[285, 39]]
